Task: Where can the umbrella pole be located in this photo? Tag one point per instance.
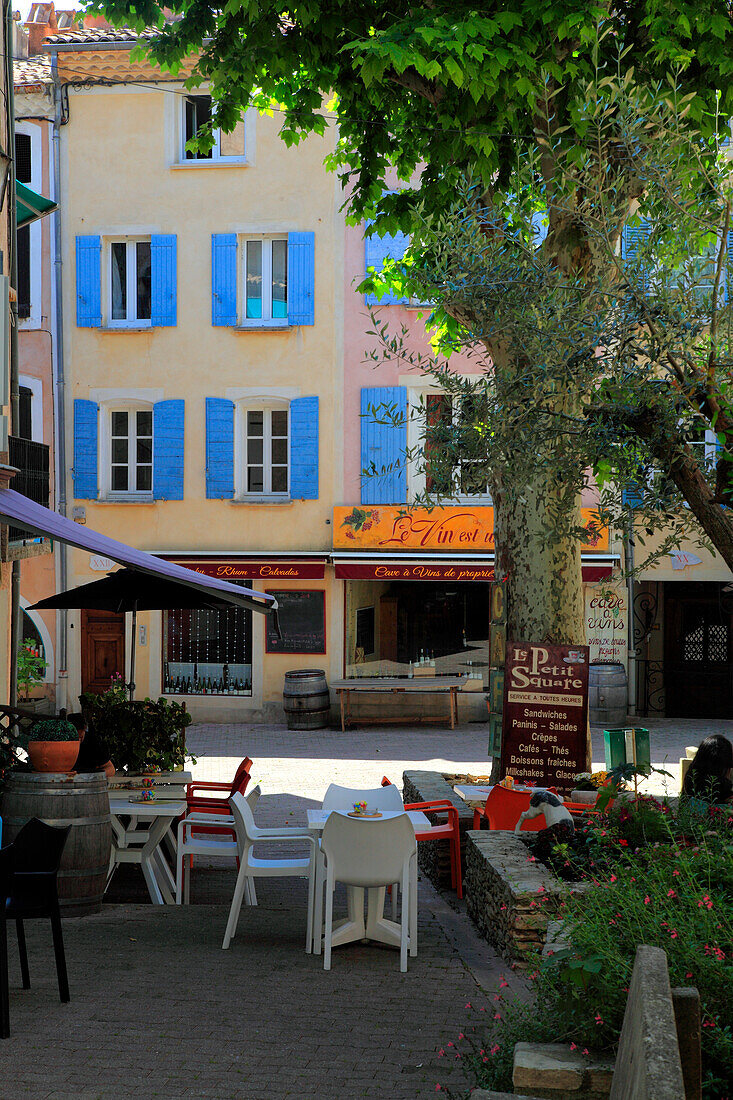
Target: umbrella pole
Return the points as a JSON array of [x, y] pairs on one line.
[[132, 649]]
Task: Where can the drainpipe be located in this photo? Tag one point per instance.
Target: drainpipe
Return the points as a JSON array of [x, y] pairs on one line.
[[629, 566], [15, 611], [60, 401]]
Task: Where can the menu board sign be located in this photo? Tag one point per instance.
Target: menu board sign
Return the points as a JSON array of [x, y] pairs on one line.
[[545, 714], [302, 617]]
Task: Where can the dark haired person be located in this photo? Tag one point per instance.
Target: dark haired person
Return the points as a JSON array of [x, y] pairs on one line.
[[93, 751], [710, 775]]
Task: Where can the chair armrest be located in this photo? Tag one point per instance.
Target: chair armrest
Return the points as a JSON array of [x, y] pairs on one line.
[[477, 815], [438, 805], [206, 787], [283, 834]]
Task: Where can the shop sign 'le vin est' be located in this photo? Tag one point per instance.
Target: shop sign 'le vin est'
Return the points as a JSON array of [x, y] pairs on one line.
[[545, 713]]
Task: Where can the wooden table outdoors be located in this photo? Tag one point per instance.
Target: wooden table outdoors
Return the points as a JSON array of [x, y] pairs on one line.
[[393, 685]]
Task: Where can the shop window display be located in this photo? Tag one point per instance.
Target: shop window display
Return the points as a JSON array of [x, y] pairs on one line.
[[207, 652], [413, 628]]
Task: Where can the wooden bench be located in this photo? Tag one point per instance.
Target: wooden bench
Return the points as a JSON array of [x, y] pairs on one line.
[[394, 685], [658, 1053]]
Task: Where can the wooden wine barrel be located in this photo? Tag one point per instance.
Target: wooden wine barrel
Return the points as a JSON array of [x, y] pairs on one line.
[[81, 801], [306, 700], [607, 694]]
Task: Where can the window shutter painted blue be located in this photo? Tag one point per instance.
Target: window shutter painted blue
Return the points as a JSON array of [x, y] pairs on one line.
[[219, 448], [384, 445], [163, 272], [224, 279], [88, 282], [301, 278], [631, 495], [376, 251], [168, 441], [631, 239], [86, 434], [304, 448]]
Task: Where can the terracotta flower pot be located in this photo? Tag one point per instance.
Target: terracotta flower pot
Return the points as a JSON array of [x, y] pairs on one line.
[[53, 756], [587, 797]]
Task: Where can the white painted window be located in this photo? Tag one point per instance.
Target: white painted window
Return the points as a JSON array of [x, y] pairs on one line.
[[442, 426], [130, 282], [131, 451], [195, 113], [264, 469], [264, 280]]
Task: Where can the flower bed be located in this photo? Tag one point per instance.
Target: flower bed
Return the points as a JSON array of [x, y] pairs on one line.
[[656, 875]]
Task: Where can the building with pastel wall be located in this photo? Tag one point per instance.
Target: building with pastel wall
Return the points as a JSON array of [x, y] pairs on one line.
[[203, 348]]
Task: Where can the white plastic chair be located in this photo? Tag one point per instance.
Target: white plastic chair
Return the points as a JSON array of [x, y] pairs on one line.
[[192, 841], [251, 866], [343, 799], [376, 798], [371, 854]]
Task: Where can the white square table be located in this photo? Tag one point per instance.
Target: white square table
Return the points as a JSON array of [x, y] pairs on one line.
[[139, 841], [377, 927]]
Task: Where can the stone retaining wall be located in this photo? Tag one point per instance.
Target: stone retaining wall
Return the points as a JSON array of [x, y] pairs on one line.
[[433, 856], [503, 888]]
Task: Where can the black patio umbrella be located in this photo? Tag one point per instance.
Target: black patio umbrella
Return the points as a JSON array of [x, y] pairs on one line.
[[131, 590]]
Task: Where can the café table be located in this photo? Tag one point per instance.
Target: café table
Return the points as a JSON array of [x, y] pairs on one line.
[[138, 838], [376, 927]]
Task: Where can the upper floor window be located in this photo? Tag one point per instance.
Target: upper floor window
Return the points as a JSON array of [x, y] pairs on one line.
[[266, 451], [131, 450], [28, 164], [130, 282], [453, 463], [265, 280], [196, 113]]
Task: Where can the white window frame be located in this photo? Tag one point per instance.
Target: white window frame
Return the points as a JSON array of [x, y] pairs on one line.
[[416, 477], [131, 407], [131, 273], [35, 133], [266, 320], [217, 157], [266, 405]]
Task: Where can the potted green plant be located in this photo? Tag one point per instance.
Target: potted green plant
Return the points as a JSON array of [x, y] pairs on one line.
[[53, 745], [587, 786], [31, 670]]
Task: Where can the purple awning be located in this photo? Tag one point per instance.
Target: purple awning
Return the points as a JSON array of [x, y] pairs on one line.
[[19, 511]]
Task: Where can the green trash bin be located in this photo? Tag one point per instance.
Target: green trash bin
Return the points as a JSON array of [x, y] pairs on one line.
[[627, 746]]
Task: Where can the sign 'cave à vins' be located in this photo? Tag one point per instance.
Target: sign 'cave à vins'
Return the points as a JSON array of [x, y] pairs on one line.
[[545, 713]]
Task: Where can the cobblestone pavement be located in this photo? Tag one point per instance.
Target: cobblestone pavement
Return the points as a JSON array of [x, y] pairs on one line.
[[159, 1011]]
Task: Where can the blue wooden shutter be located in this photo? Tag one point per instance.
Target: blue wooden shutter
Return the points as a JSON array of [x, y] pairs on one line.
[[304, 448], [376, 251], [88, 282], [168, 433], [301, 278], [86, 434], [219, 448], [631, 495], [224, 279], [384, 445], [163, 279], [631, 240]]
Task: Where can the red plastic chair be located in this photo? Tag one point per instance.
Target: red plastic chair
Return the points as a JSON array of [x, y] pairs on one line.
[[219, 803], [449, 831], [503, 809]]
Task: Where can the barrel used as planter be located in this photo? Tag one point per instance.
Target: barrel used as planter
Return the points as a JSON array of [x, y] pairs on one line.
[[607, 694], [81, 801], [306, 700]]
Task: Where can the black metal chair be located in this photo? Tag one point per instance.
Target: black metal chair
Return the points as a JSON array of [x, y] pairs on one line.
[[28, 870]]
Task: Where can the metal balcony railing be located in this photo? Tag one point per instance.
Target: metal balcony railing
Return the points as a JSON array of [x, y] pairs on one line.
[[32, 479]]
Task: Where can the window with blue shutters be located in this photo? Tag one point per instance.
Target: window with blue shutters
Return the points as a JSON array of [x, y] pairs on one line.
[[376, 251], [136, 278], [263, 281], [276, 453], [384, 445]]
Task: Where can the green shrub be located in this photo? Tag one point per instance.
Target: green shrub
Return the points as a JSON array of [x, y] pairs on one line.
[[140, 733], [676, 893], [53, 729]]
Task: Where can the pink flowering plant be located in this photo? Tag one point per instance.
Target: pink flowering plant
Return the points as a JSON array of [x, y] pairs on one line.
[[670, 885]]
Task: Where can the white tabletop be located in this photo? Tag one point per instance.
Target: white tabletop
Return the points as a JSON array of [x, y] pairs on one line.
[[158, 807], [318, 818]]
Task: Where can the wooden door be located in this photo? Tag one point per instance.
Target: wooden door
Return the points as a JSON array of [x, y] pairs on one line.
[[102, 649]]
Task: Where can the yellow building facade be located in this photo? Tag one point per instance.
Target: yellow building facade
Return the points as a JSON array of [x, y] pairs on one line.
[[202, 306]]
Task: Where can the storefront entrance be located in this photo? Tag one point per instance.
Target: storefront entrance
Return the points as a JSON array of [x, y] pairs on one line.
[[401, 628], [698, 658]]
